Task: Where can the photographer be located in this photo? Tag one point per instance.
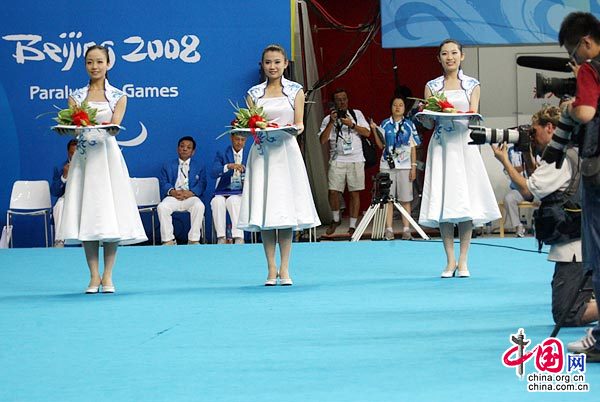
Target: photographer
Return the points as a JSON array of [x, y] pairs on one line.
[[399, 160], [342, 129], [547, 183], [580, 35]]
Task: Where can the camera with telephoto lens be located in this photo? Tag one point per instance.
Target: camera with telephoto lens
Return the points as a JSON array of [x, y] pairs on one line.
[[381, 188], [520, 136], [560, 87], [341, 113], [389, 158]]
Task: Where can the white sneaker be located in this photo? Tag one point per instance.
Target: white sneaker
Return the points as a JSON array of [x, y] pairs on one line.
[[583, 344], [520, 231], [389, 234]]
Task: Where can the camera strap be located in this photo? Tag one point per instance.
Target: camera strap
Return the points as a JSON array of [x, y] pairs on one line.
[[339, 127]]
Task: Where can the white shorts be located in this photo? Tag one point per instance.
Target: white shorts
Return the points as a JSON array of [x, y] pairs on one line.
[[342, 173], [401, 188]]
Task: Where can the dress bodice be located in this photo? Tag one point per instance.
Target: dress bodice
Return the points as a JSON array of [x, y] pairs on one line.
[[104, 113], [458, 98], [278, 110]]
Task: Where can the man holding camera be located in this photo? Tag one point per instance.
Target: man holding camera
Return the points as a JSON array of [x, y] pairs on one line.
[[580, 35], [343, 128], [548, 184]]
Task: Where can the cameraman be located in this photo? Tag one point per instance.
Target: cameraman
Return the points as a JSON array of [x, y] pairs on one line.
[[342, 129], [580, 35], [547, 180]]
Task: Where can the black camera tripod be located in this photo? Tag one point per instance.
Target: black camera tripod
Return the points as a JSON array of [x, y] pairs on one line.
[[378, 212]]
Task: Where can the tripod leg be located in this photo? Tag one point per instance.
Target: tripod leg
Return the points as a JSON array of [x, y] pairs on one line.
[[379, 222], [412, 222], [563, 318], [364, 222]]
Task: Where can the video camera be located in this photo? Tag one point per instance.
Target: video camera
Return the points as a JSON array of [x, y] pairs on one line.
[[519, 136], [381, 188], [561, 87]]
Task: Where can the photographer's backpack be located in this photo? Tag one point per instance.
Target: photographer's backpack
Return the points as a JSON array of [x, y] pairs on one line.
[[368, 147], [558, 219]]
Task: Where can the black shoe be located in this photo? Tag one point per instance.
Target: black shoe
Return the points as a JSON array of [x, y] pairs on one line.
[[351, 231], [332, 227], [592, 354]]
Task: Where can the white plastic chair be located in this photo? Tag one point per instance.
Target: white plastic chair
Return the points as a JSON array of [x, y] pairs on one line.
[[147, 197], [30, 198]]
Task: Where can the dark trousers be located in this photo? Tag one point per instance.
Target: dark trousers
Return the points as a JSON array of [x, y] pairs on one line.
[[565, 283], [590, 239]]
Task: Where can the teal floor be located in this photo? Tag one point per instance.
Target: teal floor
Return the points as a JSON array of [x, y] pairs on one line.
[[366, 321]]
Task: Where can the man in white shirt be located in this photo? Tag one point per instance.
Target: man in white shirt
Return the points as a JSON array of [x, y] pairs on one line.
[[182, 182], [513, 197], [342, 128], [544, 181]]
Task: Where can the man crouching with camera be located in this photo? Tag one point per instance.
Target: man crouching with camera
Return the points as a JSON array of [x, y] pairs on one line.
[[550, 185]]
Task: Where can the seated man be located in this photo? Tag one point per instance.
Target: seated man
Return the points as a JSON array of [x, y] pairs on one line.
[[513, 197], [228, 168], [57, 189], [548, 181], [183, 182]]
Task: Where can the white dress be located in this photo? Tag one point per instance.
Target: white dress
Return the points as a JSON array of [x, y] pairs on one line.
[[456, 186], [276, 192], [99, 200]]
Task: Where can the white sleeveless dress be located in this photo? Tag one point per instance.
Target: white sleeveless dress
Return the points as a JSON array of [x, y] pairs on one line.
[[277, 192], [99, 201], [456, 186]]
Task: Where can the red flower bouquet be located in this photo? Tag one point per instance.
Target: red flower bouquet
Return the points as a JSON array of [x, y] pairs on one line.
[[252, 117], [439, 103], [80, 116]]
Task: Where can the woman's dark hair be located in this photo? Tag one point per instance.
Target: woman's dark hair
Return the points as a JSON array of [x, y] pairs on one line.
[[98, 47], [457, 43], [101, 48], [187, 138], [274, 48], [449, 40], [403, 99]]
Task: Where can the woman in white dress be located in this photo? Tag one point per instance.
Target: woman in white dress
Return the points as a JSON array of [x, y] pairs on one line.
[[456, 189], [99, 205], [276, 198]]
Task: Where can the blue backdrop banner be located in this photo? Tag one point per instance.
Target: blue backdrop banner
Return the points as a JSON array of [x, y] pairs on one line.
[[417, 23], [180, 62]]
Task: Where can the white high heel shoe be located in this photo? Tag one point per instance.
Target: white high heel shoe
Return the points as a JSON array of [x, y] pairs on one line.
[[449, 273], [108, 289], [286, 281], [463, 273], [93, 289], [271, 282]]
